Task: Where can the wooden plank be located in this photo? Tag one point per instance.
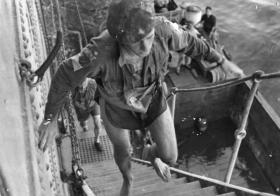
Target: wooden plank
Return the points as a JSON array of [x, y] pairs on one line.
[[155, 186]]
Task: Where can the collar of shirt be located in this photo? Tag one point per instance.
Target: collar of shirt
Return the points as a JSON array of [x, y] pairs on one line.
[[133, 64]]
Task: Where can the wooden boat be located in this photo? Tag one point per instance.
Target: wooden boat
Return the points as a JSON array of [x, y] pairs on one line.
[[26, 171]]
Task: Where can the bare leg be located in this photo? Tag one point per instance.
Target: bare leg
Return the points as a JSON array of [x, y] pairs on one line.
[[165, 147], [122, 151], [84, 125], [97, 127]]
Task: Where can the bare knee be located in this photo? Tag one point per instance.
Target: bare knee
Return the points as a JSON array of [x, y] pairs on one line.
[[167, 155], [123, 160], [170, 158], [121, 152]]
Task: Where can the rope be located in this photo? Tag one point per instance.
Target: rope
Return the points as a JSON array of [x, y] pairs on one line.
[[81, 22], [258, 75]]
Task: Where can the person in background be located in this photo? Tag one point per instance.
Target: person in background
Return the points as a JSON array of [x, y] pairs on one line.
[[208, 21], [171, 5], [130, 60], [162, 6], [192, 16], [86, 106]]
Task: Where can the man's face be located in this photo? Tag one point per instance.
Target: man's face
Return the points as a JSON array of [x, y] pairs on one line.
[[143, 47], [208, 12]]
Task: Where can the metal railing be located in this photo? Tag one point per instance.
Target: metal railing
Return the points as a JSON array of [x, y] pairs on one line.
[[240, 133]]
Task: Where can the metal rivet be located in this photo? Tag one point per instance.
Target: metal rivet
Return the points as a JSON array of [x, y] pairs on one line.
[[24, 37], [26, 54]]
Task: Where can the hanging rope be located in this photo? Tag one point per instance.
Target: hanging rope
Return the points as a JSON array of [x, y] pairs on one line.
[[81, 22]]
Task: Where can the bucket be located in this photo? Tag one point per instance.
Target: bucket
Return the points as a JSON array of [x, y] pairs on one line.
[[193, 14], [216, 75]]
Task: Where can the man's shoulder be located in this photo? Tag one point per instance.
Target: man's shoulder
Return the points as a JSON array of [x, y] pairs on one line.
[[213, 17], [203, 16], [163, 26]]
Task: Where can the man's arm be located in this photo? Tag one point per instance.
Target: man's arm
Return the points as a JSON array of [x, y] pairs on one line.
[[213, 21], [180, 40], [69, 75]]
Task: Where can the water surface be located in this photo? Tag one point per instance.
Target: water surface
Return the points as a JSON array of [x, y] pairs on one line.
[[250, 31], [209, 155]]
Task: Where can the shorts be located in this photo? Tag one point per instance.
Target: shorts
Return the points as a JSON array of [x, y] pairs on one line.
[[126, 119], [83, 115]]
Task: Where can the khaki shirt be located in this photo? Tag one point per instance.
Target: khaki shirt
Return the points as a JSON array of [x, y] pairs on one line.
[[100, 60]]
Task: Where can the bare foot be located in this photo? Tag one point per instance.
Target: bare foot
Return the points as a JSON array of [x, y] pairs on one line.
[[126, 187], [162, 169]]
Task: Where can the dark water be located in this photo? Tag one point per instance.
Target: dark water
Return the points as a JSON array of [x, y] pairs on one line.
[[209, 155], [250, 31]]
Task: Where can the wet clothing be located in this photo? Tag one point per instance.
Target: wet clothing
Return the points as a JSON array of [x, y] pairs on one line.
[[208, 23], [100, 60], [84, 102]]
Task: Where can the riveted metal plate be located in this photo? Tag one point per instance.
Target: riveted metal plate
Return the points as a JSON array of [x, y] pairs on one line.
[[88, 152]]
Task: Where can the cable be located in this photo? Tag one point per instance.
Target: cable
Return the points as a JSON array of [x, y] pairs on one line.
[[81, 22]]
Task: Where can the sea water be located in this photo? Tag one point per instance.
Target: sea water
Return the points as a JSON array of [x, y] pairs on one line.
[[208, 154]]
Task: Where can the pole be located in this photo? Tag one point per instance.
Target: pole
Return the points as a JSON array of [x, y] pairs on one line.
[[240, 133], [173, 103]]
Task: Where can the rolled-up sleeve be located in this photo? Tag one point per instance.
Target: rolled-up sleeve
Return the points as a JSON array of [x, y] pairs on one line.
[[182, 41], [69, 75]]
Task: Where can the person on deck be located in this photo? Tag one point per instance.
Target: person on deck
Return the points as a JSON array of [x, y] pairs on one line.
[[208, 21], [129, 61], [86, 106]]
